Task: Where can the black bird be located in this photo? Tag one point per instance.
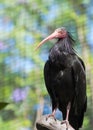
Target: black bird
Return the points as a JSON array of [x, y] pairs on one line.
[[65, 79]]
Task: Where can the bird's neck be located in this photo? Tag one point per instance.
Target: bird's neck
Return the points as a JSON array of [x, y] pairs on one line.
[[60, 50], [63, 45]]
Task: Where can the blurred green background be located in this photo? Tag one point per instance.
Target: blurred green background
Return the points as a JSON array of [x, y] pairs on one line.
[[23, 24]]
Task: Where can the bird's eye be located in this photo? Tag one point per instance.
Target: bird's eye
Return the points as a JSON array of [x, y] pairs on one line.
[[59, 30]]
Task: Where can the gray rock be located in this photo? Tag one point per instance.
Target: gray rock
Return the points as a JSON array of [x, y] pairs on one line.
[[51, 124]]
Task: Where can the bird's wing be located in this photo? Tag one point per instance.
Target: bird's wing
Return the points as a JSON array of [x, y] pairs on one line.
[[82, 63], [80, 98], [48, 83]]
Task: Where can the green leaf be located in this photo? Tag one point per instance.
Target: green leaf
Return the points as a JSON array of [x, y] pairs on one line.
[[3, 104]]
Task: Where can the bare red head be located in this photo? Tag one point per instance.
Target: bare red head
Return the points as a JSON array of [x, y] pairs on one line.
[[58, 33]]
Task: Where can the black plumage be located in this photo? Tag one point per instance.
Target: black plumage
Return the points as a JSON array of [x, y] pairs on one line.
[[65, 78]]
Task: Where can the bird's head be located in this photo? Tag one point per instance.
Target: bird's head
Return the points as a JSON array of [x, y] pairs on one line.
[[59, 33]]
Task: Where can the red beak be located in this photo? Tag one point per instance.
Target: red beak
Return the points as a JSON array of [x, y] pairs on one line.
[[55, 34]]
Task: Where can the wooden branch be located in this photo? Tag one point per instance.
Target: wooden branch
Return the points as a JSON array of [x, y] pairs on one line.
[[51, 124]]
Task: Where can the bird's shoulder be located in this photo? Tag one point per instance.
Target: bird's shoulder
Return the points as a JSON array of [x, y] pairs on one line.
[[78, 63]]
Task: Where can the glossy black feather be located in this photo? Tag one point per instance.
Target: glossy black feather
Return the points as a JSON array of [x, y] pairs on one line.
[[65, 80]]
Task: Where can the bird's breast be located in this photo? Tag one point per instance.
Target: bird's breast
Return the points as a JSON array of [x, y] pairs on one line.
[[59, 58], [62, 83]]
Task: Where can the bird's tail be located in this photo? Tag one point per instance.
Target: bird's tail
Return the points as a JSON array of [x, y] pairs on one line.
[[81, 116], [77, 121]]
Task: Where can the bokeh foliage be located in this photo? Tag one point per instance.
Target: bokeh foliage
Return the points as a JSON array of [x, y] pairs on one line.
[[23, 24]]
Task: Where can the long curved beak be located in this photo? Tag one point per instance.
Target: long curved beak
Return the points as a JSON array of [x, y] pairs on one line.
[[51, 36]]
